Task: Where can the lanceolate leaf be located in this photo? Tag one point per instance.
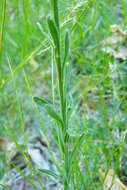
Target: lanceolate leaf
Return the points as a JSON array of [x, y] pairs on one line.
[[76, 147], [51, 173], [40, 102], [54, 32], [53, 113], [66, 47], [61, 139], [66, 43], [55, 11], [49, 108]]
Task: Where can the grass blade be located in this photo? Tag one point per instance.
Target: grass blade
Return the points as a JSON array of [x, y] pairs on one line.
[[2, 24], [5, 186], [50, 173], [24, 176]]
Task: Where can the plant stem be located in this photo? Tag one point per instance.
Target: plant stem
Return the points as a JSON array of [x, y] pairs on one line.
[[62, 96]]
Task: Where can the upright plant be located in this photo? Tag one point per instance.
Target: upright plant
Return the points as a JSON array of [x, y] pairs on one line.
[[61, 119]]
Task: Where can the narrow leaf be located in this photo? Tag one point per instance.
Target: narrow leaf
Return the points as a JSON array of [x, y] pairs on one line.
[[54, 32], [53, 113], [67, 42], [49, 108], [2, 24], [50, 173], [76, 147], [61, 140], [5, 186], [40, 101], [55, 12]]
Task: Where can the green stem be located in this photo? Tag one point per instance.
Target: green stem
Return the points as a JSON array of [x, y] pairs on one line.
[[2, 24], [63, 112], [66, 158], [58, 59], [1, 35], [66, 186]]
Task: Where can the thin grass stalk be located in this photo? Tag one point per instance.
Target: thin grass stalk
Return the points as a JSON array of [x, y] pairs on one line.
[[2, 24], [2, 34], [124, 10]]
